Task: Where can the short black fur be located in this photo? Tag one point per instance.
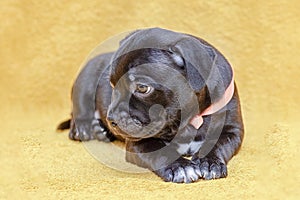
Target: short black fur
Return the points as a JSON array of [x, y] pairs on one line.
[[116, 123]]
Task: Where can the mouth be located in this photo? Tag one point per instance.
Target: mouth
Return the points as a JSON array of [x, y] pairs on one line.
[[134, 135], [132, 128]]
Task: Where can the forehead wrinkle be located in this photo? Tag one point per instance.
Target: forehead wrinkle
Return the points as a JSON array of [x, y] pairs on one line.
[[155, 71], [139, 57]]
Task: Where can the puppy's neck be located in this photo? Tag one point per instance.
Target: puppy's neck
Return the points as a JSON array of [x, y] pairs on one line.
[[197, 120]]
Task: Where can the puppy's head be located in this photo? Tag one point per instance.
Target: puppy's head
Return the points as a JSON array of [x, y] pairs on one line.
[[160, 80], [146, 94]]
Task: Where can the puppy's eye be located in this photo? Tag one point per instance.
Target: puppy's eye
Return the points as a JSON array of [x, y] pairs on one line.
[[143, 89]]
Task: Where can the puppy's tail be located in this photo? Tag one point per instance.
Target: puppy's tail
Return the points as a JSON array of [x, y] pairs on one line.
[[64, 125]]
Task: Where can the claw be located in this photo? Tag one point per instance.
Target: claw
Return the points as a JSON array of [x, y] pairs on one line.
[[211, 168], [181, 171], [85, 130]]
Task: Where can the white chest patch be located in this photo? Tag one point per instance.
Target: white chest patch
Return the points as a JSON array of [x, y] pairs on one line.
[[195, 146], [183, 148], [191, 148]]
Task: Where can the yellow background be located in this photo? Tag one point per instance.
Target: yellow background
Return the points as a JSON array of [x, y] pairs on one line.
[[43, 43]]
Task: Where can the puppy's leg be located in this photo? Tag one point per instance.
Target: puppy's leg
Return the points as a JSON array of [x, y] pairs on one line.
[[164, 161], [84, 97], [97, 130], [81, 131], [101, 132], [213, 165]]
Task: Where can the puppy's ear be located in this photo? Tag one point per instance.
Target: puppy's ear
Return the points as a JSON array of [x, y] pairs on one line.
[[128, 37], [202, 67]]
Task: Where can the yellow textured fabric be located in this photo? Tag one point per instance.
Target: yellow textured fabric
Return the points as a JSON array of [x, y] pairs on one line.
[[43, 43]]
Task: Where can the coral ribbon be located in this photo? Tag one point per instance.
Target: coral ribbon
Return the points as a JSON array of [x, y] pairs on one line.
[[197, 121]]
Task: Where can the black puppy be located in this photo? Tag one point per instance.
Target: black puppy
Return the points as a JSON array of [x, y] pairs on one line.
[[167, 95]]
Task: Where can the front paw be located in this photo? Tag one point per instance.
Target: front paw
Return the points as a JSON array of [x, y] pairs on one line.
[[211, 168], [101, 132], [180, 171], [89, 129], [81, 130]]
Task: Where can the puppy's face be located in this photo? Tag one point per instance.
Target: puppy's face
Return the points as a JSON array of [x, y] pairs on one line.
[[142, 104]]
